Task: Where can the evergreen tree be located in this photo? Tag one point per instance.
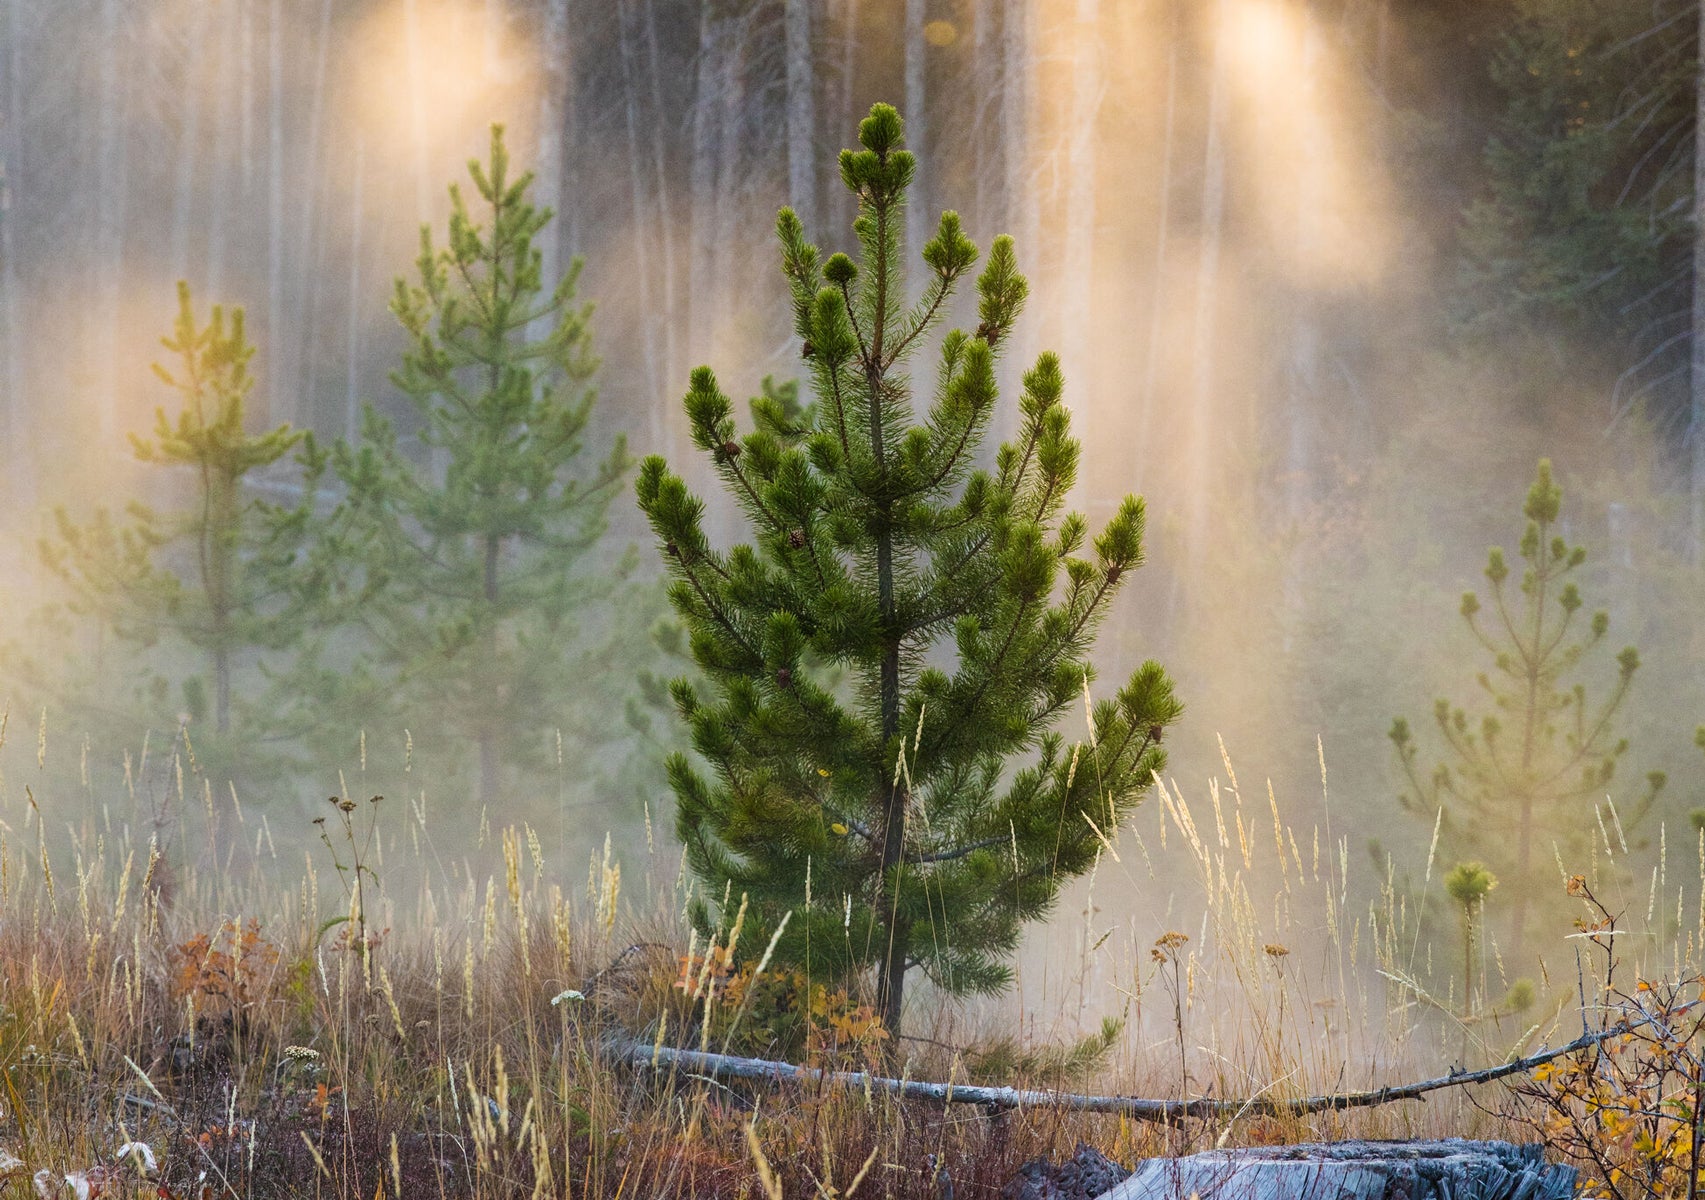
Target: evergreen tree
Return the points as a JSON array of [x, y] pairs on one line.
[[879, 819], [1585, 227], [215, 575], [468, 564], [1535, 764]]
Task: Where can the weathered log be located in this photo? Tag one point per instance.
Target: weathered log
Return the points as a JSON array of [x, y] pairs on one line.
[[1448, 1169], [763, 1070]]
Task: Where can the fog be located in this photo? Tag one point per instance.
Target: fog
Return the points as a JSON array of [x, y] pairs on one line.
[[1241, 223]]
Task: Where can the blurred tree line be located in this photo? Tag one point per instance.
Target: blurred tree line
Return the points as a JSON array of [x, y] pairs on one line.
[[462, 602], [1542, 153]]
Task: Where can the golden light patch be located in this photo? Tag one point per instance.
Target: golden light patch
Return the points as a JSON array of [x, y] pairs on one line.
[[941, 33]]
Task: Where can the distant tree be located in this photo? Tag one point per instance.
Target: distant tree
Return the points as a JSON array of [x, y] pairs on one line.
[[476, 579], [879, 818], [1536, 763], [1587, 229], [217, 575]]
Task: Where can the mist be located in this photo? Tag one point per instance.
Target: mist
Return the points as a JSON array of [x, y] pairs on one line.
[[1241, 221]]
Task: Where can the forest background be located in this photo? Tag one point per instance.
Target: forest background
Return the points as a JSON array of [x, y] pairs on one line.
[[1327, 276]]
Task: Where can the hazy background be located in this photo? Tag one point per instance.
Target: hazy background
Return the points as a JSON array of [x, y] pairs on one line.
[[1242, 220]]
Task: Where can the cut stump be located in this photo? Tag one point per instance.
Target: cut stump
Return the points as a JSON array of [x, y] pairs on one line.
[[1448, 1169]]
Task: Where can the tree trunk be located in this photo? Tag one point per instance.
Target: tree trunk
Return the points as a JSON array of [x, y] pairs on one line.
[[357, 217], [1447, 1169], [217, 195], [1303, 415], [278, 332], [1022, 210], [219, 534], [189, 143], [246, 95], [801, 114], [641, 222], [416, 104], [1143, 459], [891, 976], [985, 64], [1697, 359], [487, 739], [702, 178], [110, 234], [304, 245], [1080, 213], [1198, 444], [21, 478], [667, 316], [553, 102], [847, 208], [917, 201]]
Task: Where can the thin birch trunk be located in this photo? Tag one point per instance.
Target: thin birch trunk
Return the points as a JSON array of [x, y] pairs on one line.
[[801, 113]]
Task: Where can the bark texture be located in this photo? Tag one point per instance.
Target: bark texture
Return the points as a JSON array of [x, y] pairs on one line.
[[1447, 1169]]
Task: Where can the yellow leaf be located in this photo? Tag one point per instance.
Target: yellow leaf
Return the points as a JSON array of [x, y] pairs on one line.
[[839, 829], [823, 772]]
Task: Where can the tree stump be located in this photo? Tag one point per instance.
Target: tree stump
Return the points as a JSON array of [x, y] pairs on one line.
[[1448, 1169]]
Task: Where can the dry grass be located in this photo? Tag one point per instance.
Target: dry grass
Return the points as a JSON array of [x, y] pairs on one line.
[[383, 1021]]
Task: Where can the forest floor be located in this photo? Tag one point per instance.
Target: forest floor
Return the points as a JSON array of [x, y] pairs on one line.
[[381, 1025]]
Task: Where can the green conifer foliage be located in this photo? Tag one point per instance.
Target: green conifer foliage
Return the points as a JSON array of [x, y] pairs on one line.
[[1533, 767], [215, 574], [472, 586], [918, 813]]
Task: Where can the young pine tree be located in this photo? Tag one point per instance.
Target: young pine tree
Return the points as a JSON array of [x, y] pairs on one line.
[[215, 575], [1533, 767], [472, 588], [918, 814]]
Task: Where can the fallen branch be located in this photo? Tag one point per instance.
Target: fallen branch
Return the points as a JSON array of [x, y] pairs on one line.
[[763, 1070]]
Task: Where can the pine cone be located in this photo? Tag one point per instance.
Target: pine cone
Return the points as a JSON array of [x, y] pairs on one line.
[[784, 678], [730, 451], [796, 538], [807, 350]]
